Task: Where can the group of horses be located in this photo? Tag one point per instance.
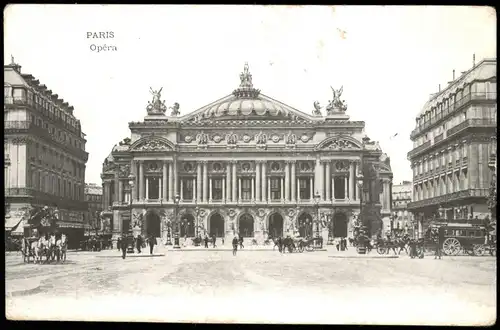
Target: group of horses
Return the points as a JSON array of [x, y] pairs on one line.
[[383, 246], [44, 246], [292, 244]]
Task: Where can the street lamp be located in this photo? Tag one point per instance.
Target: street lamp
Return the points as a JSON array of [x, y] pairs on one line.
[[130, 236], [176, 236], [317, 198], [360, 185]]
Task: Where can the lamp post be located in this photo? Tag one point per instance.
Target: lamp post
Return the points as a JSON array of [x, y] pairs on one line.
[[130, 236], [317, 197], [393, 218], [176, 235], [360, 185]]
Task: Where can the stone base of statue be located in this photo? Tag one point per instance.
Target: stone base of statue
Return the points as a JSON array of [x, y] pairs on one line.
[[336, 115]]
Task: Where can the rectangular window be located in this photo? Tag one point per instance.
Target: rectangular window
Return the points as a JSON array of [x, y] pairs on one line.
[[304, 188], [246, 189], [275, 188], [217, 189], [187, 193], [339, 187]]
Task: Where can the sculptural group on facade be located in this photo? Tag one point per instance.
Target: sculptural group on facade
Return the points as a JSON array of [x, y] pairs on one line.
[[291, 139], [335, 105], [157, 106], [231, 139], [202, 138]]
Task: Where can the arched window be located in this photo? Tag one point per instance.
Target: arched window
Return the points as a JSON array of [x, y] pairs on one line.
[[246, 225]]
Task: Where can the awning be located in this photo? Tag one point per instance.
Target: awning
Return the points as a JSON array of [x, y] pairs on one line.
[[19, 230], [12, 222], [63, 224]]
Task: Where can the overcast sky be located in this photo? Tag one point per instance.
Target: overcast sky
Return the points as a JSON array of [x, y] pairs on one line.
[[389, 60]]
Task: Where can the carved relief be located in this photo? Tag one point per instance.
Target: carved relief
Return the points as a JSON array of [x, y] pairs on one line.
[[341, 166], [202, 140], [124, 170], [247, 138], [290, 140], [339, 144], [275, 138], [231, 140], [261, 140], [217, 138], [188, 138], [20, 140], [154, 145]]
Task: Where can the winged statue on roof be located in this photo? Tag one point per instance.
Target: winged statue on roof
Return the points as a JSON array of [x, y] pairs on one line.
[[157, 106], [336, 104]]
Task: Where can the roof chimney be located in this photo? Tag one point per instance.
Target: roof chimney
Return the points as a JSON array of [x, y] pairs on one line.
[[439, 87], [473, 60], [453, 74]]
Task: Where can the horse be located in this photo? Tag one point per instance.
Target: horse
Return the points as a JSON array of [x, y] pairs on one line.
[[51, 247], [26, 250], [61, 248]]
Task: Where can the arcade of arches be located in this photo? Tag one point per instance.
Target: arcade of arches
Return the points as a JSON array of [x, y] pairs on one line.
[[153, 224], [245, 226], [305, 225], [275, 225], [216, 225], [340, 225]]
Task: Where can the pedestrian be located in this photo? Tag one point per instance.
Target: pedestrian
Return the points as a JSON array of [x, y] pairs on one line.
[[214, 239], [206, 242], [440, 238], [345, 243], [139, 243], [337, 243], [119, 243], [241, 242], [152, 243], [222, 240], [235, 245], [280, 244], [123, 246]]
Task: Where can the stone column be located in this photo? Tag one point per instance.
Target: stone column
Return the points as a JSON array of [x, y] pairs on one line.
[[210, 191], [317, 177], [141, 181], [234, 189], [195, 189], [287, 182], [182, 191], [228, 181], [282, 187], [253, 189], [120, 190], [257, 181], [328, 181], [205, 181], [198, 182], [224, 197], [115, 199], [352, 182], [239, 189], [311, 189], [164, 181], [346, 183], [160, 188], [147, 188], [265, 196], [294, 181], [176, 179], [298, 190], [269, 189], [171, 188], [133, 170], [333, 187]]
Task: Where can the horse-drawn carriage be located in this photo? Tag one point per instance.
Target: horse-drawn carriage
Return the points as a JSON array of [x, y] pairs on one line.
[[396, 244], [470, 239]]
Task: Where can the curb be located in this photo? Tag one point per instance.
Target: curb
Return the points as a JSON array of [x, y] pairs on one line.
[[230, 250], [364, 257], [132, 256]]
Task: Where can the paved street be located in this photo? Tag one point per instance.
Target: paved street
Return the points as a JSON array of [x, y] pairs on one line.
[[255, 286]]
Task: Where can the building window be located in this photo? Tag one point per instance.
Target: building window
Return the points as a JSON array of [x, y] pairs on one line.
[[304, 188], [275, 189], [246, 189], [187, 189], [153, 187], [339, 187], [217, 188]]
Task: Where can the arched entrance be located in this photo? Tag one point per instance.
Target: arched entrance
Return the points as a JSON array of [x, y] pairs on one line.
[[216, 225], [305, 225], [275, 225], [187, 225], [153, 224], [340, 225], [245, 226]]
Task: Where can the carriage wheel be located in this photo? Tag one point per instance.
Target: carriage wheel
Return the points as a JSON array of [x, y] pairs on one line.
[[493, 250], [309, 248], [451, 246], [301, 248], [381, 249], [478, 249]]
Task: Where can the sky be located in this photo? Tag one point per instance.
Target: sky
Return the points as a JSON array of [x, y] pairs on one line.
[[388, 60]]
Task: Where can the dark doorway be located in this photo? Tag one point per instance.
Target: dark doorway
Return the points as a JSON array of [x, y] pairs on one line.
[[339, 225], [187, 225], [275, 225], [216, 225], [246, 226], [305, 225], [153, 224]]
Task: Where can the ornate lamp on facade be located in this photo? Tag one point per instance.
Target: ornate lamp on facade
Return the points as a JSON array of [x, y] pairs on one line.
[[130, 235], [317, 198], [176, 236]]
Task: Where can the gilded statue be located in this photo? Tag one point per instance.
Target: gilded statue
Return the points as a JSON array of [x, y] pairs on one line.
[[336, 104]]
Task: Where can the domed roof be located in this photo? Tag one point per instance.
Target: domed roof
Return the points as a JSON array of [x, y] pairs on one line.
[[245, 107]]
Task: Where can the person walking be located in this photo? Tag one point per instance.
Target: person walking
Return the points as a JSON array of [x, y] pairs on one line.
[[235, 245], [440, 238], [119, 243], [206, 242], [123, 246], [139, 243], [241, 242], [280, 244], [214, 240], [152, 243], [222, 240]]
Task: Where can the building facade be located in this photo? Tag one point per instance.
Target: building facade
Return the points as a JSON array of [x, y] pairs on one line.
[[452, 145], [402, 218], [44, 151], [246, 165], [93, 221]]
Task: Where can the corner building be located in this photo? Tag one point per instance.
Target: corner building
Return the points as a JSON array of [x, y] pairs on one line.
[[452, 144], [45, 154], [245, 164]]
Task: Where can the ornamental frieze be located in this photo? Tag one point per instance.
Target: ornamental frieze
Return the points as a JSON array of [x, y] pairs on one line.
[[153, 145], [124, 170]]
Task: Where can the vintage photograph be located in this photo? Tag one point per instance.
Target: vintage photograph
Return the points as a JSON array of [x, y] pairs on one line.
[[250, 164]]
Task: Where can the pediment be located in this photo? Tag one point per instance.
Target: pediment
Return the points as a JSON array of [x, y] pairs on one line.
[[152, 144], [339, 142]]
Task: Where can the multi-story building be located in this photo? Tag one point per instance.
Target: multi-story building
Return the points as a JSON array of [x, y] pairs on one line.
[[44, 151], [93, 220], [246, 164], [451, 147], [401, 197]]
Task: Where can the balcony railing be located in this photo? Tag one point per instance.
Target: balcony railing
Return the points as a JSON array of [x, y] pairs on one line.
[[420, 148], [39, 131], [452, 108], [478, 192]]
